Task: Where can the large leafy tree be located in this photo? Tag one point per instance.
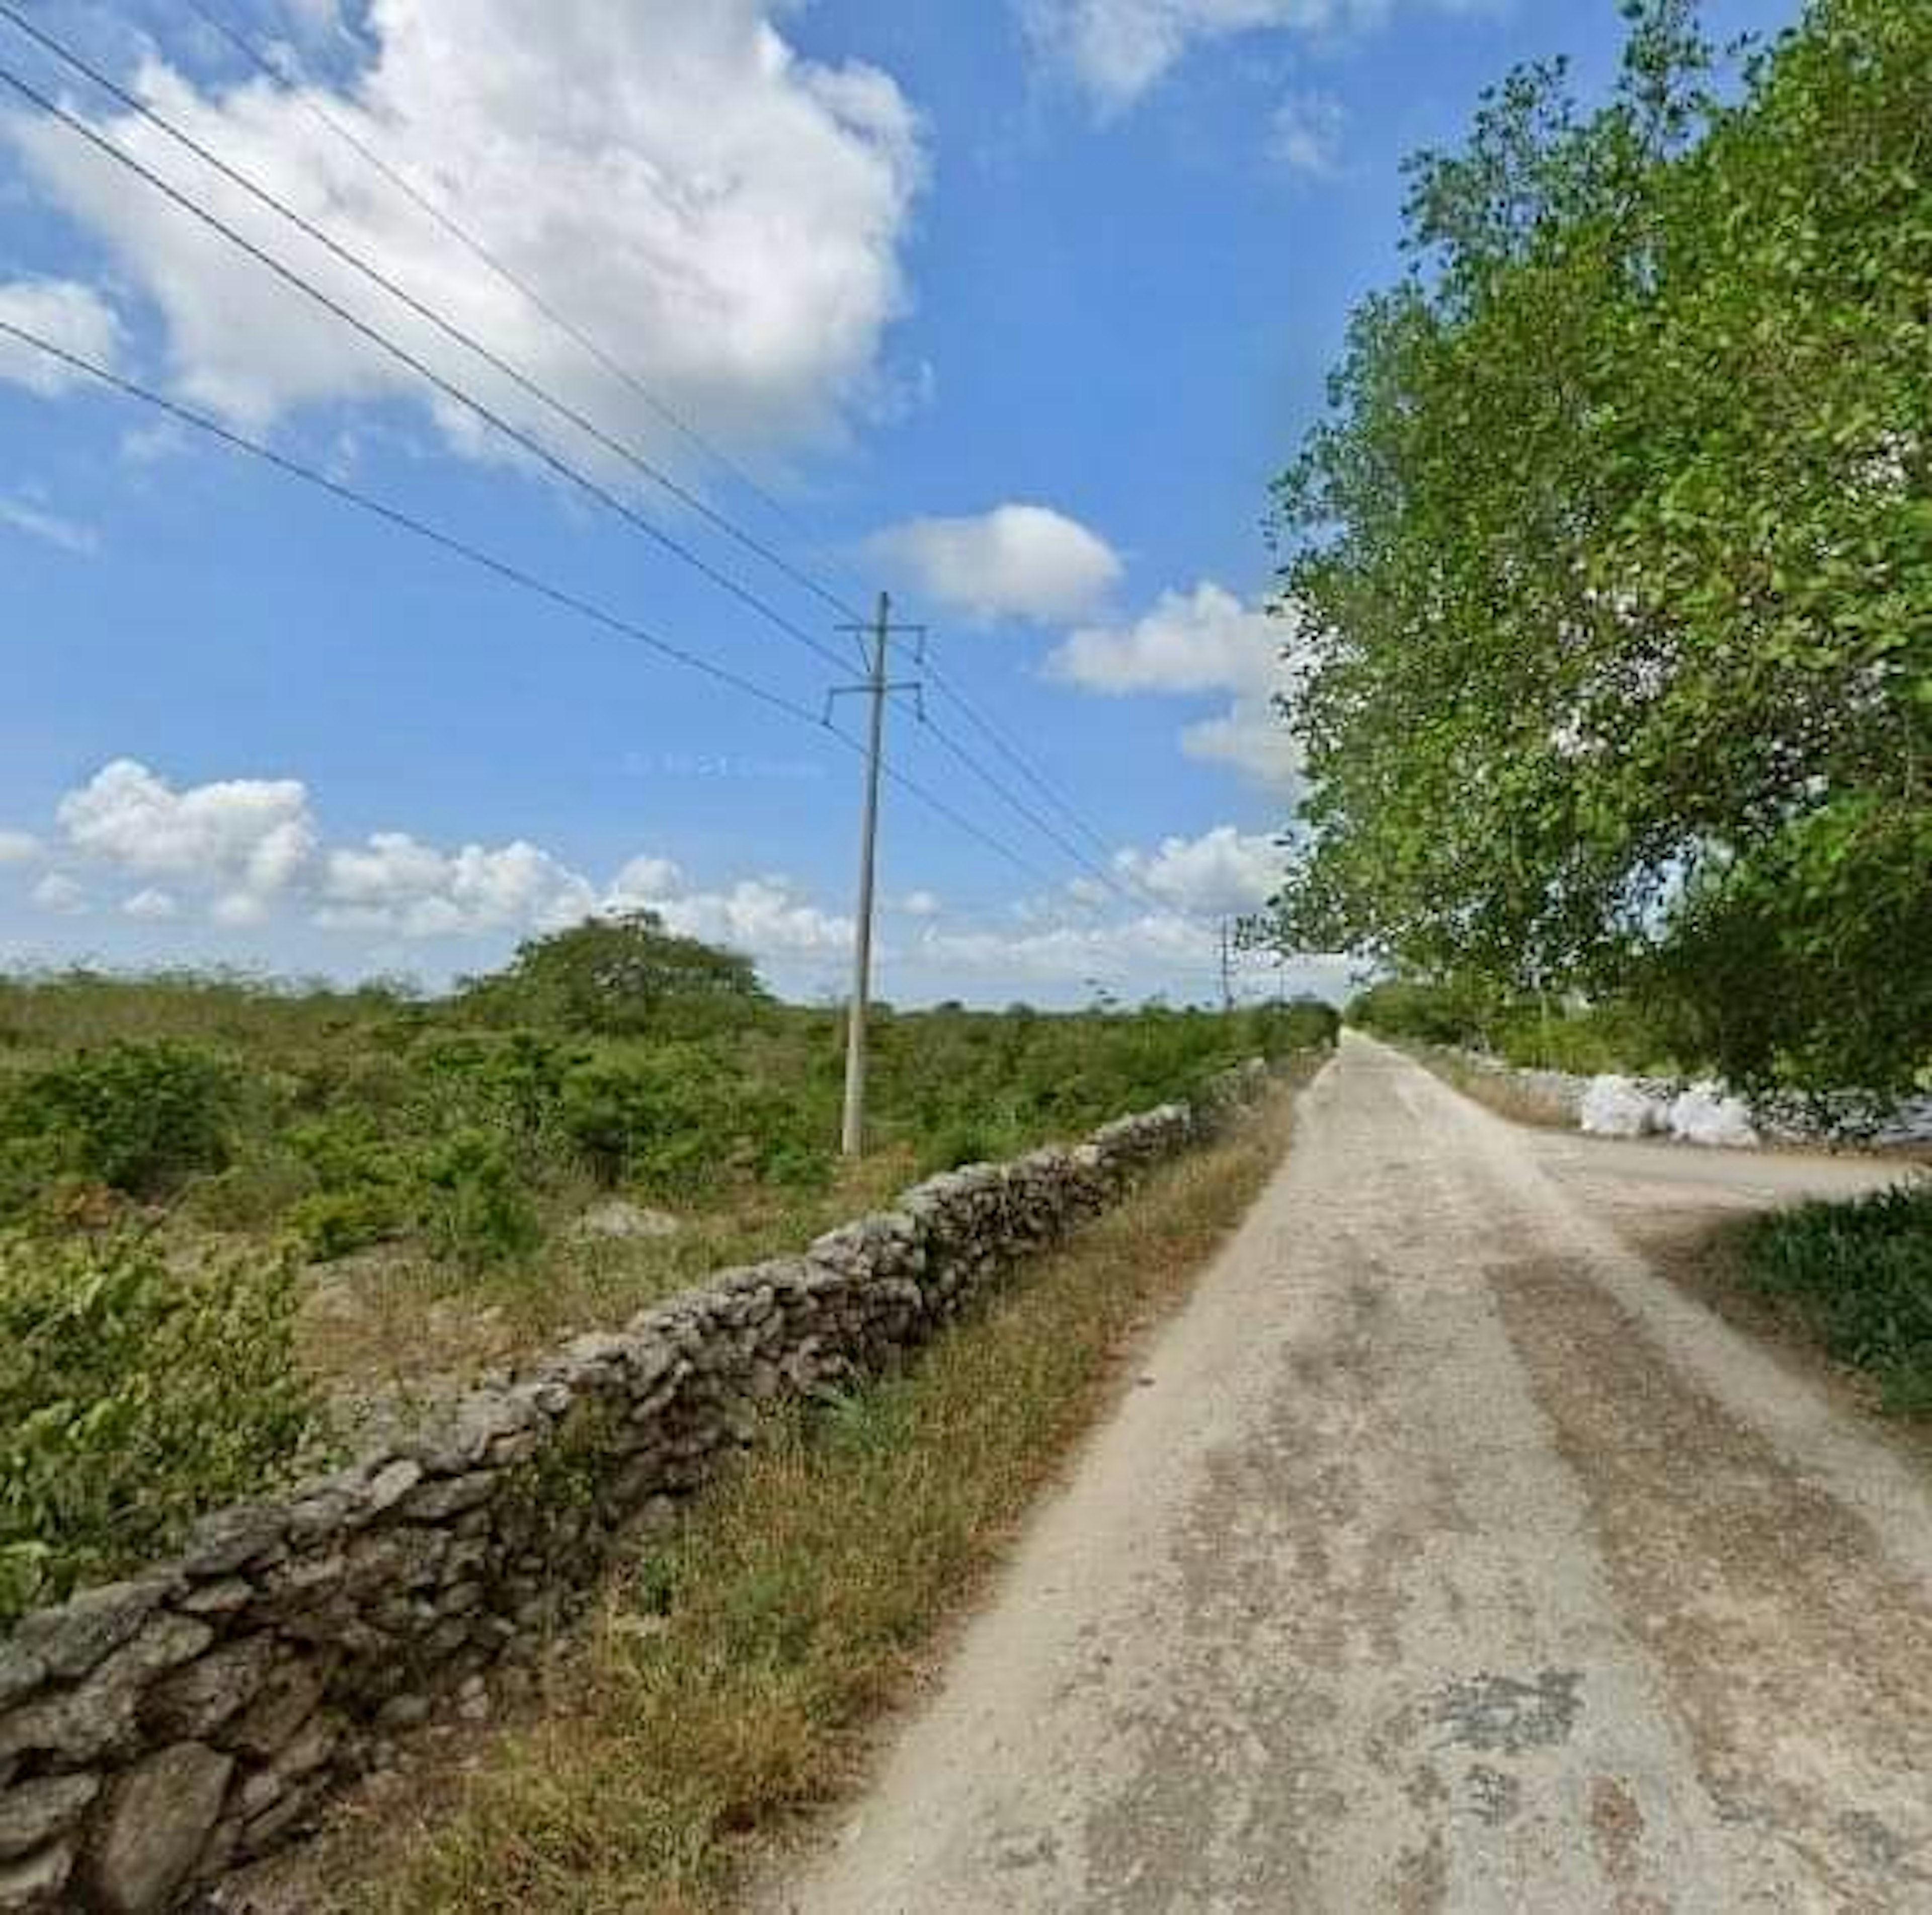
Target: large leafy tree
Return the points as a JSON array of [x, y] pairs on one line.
[[622, 974], [1612, 561]]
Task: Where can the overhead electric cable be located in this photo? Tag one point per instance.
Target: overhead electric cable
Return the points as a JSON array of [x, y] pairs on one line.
[[240, 43], [524, 439], [1019, 805], [501, 569], [519, 283], [522, 380], [402, 355]]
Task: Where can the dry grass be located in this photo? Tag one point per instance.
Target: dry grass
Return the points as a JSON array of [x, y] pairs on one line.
[[388, 1319], [1501, 1091], [728, 1689]]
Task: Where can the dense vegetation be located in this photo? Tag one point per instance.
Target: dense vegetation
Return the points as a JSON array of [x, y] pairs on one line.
[[1860, 1276], [1533, 1034], [186, 1161], [1611, 567]]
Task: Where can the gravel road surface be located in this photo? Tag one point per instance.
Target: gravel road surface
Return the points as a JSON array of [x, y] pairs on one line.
[[1446, 1558]]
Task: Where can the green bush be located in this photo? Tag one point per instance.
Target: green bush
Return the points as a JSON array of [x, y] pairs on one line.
[[138, 1117], [479, 1212], [1420, 1013], [1862, 1272], [133, 1397]]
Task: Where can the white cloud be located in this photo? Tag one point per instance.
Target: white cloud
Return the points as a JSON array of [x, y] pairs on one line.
[[396, 884], [1202, 641], [18, 847], [725, 215], [69, 314], [1017, 561], [767, 917], [1252, 737], [58, 893], [151, 907], [68, 535], [1305, 135], [643, 880], [1222, 872], [920, 904], [250, 838], [1116, 50]]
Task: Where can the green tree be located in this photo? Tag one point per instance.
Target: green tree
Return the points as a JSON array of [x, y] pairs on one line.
[[1611, 565], [625, 974]]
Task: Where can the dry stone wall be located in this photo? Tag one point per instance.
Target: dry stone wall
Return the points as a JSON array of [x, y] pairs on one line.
[[159, 1733]]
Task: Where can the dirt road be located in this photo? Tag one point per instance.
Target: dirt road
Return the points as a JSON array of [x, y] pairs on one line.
[[1447, 1558]]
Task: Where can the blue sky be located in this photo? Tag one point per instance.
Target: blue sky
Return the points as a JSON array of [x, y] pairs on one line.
[[1013, 308]]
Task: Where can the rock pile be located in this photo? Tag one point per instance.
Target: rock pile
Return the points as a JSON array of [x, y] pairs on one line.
[[156, 1733]]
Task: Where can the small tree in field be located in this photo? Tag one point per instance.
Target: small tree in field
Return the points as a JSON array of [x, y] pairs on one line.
[[619, 975]]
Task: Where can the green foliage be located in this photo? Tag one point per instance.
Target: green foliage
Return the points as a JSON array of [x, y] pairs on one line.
[[619, 976], [1618, 1035], [1419, 1013], [479, 1213], [132, 1397], [1611, 564], [1862, 1272], [139, 1117]]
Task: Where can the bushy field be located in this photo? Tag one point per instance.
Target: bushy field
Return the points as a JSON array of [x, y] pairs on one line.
[[1616, 1035], [187, 1162]]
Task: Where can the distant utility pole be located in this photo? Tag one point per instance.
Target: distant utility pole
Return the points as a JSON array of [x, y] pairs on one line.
[[1227, 966], [878, 687]]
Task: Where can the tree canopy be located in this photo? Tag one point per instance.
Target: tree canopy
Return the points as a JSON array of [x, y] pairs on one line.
[[1610, 566], [616, 974]]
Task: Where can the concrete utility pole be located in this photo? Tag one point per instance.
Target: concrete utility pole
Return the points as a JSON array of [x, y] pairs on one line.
[[878, 687], [1227, 966]]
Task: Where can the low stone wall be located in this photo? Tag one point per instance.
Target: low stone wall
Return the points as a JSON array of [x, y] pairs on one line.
[[158, 1734]]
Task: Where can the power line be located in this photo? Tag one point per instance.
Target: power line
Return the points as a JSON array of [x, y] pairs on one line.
[[525, 441], [526, 383], [524, 380], [1015, 757], [456, 230], [404, 356], [501, 569], [1019, 805]]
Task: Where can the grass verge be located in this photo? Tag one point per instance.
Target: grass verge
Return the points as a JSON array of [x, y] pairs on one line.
[[1857, 1277], [730, 1686]]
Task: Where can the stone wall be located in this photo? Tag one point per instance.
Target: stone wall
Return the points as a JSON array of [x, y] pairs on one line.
[[156, 1733]]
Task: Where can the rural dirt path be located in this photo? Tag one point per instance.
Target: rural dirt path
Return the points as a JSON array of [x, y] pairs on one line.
[[1448, 1558]]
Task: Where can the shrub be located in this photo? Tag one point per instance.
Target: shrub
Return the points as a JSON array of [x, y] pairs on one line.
[[138, 1117], [1863, 1272], [478, 1213], [133, 1398]]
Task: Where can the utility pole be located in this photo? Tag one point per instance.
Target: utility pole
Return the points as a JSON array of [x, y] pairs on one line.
[[1227, 967], [878, 687]]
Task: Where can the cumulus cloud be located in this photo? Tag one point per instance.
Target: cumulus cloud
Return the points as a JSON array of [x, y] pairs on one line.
[[396, 884], [1017, 561], [1117, 50], [18, 847], [725, 213], [1221, 873], [248, 837], [1203, 641], [65, 312], [766, 916], [151, 907]]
